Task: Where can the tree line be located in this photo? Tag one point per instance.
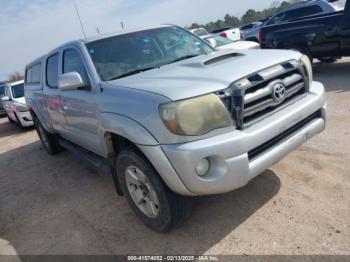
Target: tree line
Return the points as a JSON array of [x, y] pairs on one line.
[[250, 16]]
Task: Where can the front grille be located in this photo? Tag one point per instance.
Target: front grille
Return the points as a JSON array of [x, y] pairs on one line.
[[278, 139], [254, 97]]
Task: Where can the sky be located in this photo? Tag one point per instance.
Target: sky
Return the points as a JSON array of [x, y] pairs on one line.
[[29, 29]]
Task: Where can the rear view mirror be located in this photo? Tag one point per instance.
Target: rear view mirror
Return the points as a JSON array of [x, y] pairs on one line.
[[70, 81], [5, 98]]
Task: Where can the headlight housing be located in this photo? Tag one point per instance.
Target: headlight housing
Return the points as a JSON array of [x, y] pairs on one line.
[[195, 116], [308, 67]]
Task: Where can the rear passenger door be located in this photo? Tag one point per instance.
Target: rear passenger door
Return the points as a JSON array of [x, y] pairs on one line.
[[79, 106], [51, 92]]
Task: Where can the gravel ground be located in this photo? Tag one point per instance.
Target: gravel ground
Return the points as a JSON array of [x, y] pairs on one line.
[[60, 205]]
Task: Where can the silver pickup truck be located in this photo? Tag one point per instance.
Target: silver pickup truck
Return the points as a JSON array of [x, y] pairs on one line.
[[170, 116]]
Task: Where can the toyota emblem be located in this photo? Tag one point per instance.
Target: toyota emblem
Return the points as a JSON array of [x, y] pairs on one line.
[[278, 92]]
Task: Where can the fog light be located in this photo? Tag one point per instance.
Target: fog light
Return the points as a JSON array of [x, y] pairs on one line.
[[203, 167]]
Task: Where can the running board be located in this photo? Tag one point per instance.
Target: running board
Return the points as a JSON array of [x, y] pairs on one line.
[[95, 160]]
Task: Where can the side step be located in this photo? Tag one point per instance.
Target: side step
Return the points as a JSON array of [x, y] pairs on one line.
[[95, 160]]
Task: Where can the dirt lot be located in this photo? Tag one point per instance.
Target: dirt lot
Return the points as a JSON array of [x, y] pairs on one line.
[[59, 205]]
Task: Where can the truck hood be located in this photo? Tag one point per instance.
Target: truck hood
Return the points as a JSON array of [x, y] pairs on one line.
[[204, 74]]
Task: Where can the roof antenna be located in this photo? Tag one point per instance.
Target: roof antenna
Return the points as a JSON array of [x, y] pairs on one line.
[[81, 24]]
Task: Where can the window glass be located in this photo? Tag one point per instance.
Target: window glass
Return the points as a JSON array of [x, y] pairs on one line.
[[2, 90], [52, 71], [302, 12], [72, 63], [36, 73], [123, 55], [29, 75], [277, 19], [17, 90]]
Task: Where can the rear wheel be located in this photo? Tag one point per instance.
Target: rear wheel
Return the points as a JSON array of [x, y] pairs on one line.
[[48, 140], [327, 59], [152, 201]]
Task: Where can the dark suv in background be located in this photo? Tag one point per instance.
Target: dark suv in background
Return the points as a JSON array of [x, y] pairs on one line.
[[304, 9]]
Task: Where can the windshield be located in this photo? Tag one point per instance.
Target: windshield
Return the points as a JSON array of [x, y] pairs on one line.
[[132, 53], [17, 90]]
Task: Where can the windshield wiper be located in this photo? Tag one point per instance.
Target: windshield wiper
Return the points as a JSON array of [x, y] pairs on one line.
[[183, 58], [133, 72]]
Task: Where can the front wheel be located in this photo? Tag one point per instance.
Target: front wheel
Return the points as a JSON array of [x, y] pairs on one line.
[[153, 202], [48, 140]]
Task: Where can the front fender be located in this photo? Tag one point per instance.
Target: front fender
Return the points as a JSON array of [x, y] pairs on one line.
[[127, 128]]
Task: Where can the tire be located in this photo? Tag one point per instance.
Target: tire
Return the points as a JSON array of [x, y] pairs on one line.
[[48, 140], [10, 120], [327, 59], [169, 209], [19, 122]]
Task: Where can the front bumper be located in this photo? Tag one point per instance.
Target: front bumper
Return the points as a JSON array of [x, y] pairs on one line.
[[231, 163], [25, 118]]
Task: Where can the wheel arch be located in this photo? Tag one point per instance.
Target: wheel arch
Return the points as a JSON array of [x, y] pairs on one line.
[[121, 132]]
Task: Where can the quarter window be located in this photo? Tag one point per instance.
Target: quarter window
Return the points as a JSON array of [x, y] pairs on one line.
[[36, 73], [33, 74], [52, 71], [72, 63]]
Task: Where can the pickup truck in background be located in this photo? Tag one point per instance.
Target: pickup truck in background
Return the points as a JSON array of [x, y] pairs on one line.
[[325, 37], [228, 32], [169, 116]]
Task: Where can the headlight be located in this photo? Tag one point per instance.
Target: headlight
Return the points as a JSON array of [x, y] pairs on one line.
[[308, 67], [195, 116]]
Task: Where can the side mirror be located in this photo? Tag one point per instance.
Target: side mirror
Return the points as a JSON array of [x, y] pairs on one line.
[[5, 98], [70, 81]]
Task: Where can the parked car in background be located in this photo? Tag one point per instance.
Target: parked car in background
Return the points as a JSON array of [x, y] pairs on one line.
[[303, 9], [14, 104], [250, 32], [222, 43], [2, 89], [228, 32], [321, 36], [170, 116], [199, 31]]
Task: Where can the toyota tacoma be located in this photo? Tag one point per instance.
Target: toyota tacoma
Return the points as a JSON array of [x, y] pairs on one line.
[[170, 116]]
